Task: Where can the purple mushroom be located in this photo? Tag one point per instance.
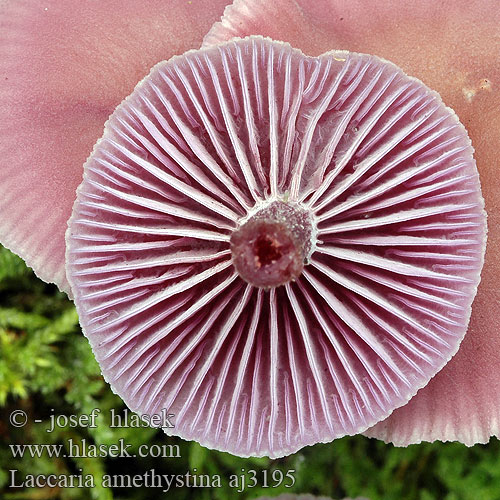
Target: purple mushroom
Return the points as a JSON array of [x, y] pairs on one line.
[[56, 108], [278, 249], [65, 66]]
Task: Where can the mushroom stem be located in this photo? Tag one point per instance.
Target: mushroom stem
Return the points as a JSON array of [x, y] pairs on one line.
[[270, 247]]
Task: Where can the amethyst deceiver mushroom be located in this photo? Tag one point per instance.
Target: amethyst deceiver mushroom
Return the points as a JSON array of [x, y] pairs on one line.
[[64, 67], [278, 249], [453, 47]]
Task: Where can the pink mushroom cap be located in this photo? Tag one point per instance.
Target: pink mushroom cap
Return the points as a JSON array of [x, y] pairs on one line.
[[276, 248], [453, 47], [65, 65]]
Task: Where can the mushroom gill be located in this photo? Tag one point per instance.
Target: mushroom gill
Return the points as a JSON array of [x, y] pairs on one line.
[[278, 249]]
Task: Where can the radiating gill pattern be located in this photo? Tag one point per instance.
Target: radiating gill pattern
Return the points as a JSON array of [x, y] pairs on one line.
[[385, 171]]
